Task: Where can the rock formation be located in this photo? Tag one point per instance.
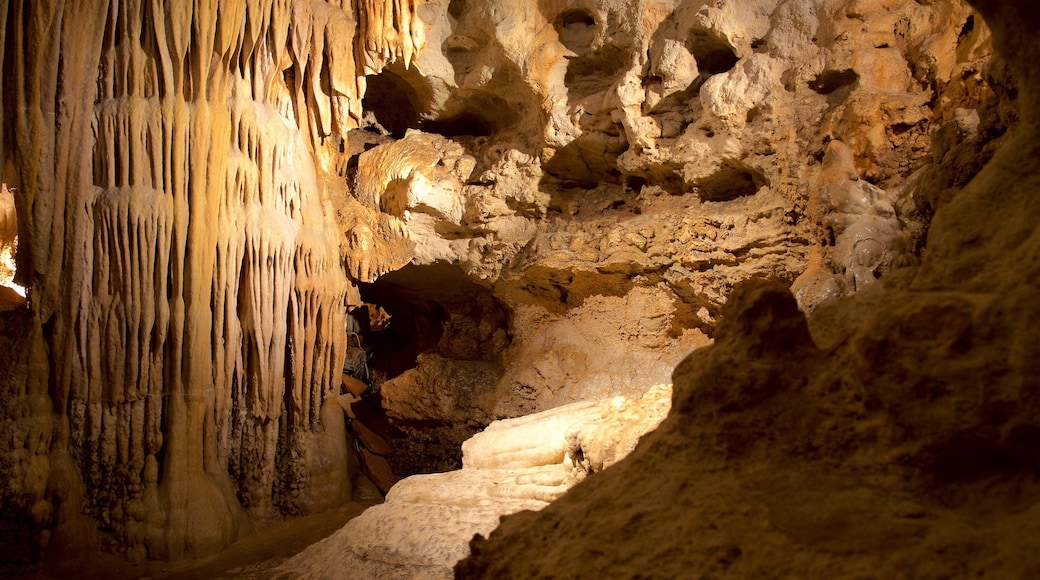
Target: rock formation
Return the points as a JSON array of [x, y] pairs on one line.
[[186, 289], [609, 172], [897, 440], [425, 525], [12, 295], [552, 201]]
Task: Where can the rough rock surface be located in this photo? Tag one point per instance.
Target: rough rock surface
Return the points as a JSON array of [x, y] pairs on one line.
[[427, 521], [609, 171], [568, 194], [187, 294], [8, 246], [898, 440]]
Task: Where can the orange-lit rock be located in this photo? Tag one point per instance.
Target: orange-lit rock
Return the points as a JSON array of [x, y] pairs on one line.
[[552, 201]]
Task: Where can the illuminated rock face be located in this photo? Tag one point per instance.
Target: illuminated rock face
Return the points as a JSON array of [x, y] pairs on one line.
[[187, 292], [619, 165], [897, 438], [524, 463], [8, 238], [201, 188]]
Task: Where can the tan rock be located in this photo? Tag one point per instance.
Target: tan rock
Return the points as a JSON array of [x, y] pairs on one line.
[[203, 189], [515, 464]]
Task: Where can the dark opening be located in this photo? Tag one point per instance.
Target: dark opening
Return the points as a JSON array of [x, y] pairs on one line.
[[635, 183], [572, 18], [393, 103], [969, 25], [465, 123], [433, 309], [829, 81], [474, 113], [576, 29], [456, 8], [730, 182], [713, 54]]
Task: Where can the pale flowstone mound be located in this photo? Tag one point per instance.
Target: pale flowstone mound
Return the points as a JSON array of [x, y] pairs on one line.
[[425, 524]]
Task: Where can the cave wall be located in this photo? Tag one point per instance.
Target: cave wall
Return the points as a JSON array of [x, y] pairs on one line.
[[170, 383], [892, 434], [200, 187], [611, 169]]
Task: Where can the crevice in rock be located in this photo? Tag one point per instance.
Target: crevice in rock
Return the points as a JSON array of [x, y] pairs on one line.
[[433, 309], [472, 113], [730, 181], [467, 123], [713, 54], [393, 102], [576, 29], [830, 81]]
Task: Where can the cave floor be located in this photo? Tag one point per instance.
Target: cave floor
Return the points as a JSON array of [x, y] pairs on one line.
[[253, 557]]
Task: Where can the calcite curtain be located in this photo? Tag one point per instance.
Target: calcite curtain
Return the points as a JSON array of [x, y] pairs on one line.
[[187, 293]]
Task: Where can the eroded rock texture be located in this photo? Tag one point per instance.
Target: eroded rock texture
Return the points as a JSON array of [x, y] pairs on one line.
[[552, 200], [608, 171], [895, 439]]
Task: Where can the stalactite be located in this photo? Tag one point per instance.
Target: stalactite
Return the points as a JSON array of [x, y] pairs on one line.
[[390, 30], [187, 283]]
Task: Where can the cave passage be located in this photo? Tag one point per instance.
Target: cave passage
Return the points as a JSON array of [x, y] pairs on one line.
[[432, 308]]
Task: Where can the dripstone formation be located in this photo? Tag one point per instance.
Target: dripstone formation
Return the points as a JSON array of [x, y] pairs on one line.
[[553, 202]]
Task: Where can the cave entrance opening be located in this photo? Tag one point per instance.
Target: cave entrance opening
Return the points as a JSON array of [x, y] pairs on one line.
[[392, 101]]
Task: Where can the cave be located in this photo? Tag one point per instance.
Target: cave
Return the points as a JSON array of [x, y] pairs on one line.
[[433, 308], [576, 29], [829, 81], [713, 54], [469, 123], [388, 290], [473, 113], [730, 181], [393, 102]]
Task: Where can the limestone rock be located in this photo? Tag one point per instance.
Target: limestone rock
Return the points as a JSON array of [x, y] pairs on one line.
[[618, 150], [864, 236], [205, 189], [890, 442], [781, 452], [439, 389], [8, 246], [187, 290], [516, 464]]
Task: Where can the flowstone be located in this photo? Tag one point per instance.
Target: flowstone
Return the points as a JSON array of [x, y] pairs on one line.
[[524, 463]]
